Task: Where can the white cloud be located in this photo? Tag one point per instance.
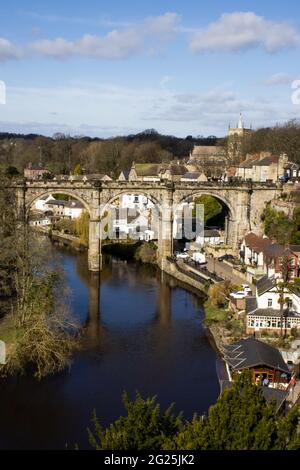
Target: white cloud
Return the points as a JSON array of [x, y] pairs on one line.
[[116, 44], [242, 30], [164, 26], [279, 79], [8, 50]]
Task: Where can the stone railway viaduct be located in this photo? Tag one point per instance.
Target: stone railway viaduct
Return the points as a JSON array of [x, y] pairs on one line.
[[245, 203]]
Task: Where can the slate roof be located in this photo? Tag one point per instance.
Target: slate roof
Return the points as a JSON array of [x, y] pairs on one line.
[[56, 202], [192, 175], [265, 284], [267, 161], [74, 204], [211, 233], [251, 304], [126, 174], [274, 250], [250, 352]]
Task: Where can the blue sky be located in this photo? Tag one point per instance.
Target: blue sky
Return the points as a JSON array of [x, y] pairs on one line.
[[105, 68]]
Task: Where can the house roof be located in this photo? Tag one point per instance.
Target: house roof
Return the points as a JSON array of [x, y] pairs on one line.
[[273, 250], [250, 352], [246, 164], [176, 169], [56, 202], [211, 233], [256, 243], [125, 173], [267, 161], [74, 204], [265, 284], [193, 175], [251, 304], [295, 248], [292, 166]]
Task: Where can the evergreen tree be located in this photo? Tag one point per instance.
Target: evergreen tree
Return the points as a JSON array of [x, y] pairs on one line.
[[143, 428]]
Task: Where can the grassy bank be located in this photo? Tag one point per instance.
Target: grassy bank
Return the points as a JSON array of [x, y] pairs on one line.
[[224, 324]]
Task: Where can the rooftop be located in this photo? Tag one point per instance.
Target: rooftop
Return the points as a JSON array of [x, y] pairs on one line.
[[250, 352], [265, 284], [256, 243]]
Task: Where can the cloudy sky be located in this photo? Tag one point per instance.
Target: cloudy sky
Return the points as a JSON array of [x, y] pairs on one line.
[[104, 68]]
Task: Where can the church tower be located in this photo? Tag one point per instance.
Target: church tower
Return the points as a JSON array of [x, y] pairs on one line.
[[235, 137]]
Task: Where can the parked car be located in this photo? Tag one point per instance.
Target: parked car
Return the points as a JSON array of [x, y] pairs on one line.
[[226, 258], [247, 288], [182, 255], [239, 295]]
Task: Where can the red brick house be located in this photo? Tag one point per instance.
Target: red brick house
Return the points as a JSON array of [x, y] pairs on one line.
[[35, 172]]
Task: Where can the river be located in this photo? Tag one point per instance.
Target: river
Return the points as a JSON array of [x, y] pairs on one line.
[[142, 332]]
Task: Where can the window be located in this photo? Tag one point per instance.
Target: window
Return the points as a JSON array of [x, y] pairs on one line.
[[270, 303], [289, 303]]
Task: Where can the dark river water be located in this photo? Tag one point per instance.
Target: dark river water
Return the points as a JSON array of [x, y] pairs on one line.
[[142, 332]]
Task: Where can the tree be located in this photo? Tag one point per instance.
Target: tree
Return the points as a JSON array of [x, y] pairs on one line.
[[39, 330], [240, 420], [11, 171], [219, 293], [78, 170], [143, 428], [280, 227], [82, 227], [212, 207], [285, 286]]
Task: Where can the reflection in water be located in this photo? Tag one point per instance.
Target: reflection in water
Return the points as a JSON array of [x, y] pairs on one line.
[[141, 332]]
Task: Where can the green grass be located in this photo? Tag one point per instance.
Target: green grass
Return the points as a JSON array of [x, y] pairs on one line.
[[213, 313], [9, 333]]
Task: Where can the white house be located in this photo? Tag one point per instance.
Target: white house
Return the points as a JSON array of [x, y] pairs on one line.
[[40, 203], [252, 249], [41, 222], [73, 209], [135, 201], [134, 226], [263, 310], [212, 237]]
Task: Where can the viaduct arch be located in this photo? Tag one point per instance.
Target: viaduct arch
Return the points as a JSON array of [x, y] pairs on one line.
[[245, 205]]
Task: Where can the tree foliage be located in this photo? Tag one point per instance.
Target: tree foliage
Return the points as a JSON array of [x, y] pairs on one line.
[[144, 427], [38, 328], [240, 420], [279, 139], [280, 227], [212, 207], [219, 293]]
